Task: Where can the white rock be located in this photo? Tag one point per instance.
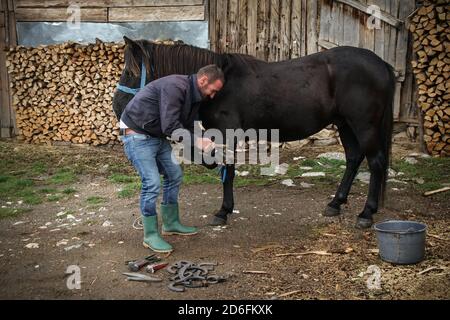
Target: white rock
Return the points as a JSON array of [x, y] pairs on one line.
[[391, 173], [9, 203], [32, 245], [120, 242], [298, 158], [306, 185], [306, 168], [75, 246], [332, 156], [61, 213], [288, 182], [19, 222], [411, 160], [277, 213], [364, 177], [236, 211], [63, 242], [43, 227], [204, 216], [70, 217], [281, 169], [107, 224], [313, 174], [20, 202]]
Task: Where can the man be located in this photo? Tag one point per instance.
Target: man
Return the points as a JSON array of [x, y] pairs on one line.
[[160, 108]]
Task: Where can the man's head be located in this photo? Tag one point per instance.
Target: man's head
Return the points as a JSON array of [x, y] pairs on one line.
[[210, 80]]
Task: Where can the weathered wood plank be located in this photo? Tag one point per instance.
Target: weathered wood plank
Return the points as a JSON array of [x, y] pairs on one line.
[[351, 30], [274, 30], [187, 13], [263, 29], [362, 7], [212, 19], [379, 33], [326, 44], [105, 3], [242, 27], [252, 27], [233, 21], [5, 107], [296, 29], [59, 14], [325, 18], [303, 33], [311, 28], [393, 34], [285, 30], [223, 25]]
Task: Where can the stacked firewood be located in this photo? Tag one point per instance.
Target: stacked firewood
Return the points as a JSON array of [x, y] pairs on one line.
[[431, 65], [64, 92]]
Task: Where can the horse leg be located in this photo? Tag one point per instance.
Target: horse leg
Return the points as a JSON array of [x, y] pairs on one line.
[[377, 160], [220, 218], [354, 157]]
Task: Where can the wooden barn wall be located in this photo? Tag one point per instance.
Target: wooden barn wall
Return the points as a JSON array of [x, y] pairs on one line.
[[276, 30], [7, 38], [112, 10]]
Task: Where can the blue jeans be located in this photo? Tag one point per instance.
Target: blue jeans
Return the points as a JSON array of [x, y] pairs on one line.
[[151, 157]]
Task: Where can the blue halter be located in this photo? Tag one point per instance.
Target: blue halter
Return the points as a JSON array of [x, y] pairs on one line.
[[143, 80]]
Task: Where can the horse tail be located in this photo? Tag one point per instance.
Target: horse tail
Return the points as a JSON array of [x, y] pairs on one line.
[[387, 124]]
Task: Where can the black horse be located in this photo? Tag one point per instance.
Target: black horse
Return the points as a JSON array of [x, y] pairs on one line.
[[350, 87]]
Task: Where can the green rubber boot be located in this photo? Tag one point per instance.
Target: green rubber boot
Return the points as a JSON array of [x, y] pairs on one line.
[[152, 239], [171, 221]]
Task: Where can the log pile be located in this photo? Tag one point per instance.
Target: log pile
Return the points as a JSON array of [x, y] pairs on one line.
[[64, 92], [431, 66]]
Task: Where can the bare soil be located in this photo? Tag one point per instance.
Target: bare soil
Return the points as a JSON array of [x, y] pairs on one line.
[[271, 220]]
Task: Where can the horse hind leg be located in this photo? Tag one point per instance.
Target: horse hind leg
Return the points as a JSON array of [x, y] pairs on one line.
[[377, 160], [354, 156]]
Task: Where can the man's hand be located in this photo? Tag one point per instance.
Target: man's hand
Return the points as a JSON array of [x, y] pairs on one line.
[[204, 144]]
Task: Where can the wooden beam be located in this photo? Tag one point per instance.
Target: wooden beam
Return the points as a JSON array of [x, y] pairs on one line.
[[60, 14], [386, 17], [326, 44], [105, 3], [186, 13]]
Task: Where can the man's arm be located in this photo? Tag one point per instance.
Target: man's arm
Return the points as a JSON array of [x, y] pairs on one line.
[[170, 105]]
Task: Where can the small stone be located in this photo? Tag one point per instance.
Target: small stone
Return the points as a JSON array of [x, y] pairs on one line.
[[32, 246], [411, 160], [313, 174], [288, 182], [107, 223]]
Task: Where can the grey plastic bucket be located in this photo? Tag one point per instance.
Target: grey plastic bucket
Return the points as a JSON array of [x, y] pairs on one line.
[[401, 242]]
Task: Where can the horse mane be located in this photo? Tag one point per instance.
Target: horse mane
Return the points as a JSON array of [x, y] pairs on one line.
[[165, 59]]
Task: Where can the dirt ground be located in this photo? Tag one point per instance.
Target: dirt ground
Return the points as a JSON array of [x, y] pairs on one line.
[[269, 222]]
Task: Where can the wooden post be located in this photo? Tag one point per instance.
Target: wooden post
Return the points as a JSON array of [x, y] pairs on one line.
[[7, 39]]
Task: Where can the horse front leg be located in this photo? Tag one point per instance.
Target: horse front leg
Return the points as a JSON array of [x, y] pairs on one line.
[[220, 218]]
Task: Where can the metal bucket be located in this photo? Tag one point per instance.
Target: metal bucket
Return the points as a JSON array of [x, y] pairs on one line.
[[401, 242]]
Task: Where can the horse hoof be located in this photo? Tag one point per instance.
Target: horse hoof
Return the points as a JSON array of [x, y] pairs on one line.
[[363, 223], [331, 212], [216, 221]]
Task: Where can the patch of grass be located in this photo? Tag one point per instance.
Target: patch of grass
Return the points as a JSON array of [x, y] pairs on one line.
[[3, 178], [122, 178], [48, 190], [129, 190], [54, 197], [434, 171], [69, 191], [12, 212], [94, 200], [32, 198], [63, 176], [39, 167]]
